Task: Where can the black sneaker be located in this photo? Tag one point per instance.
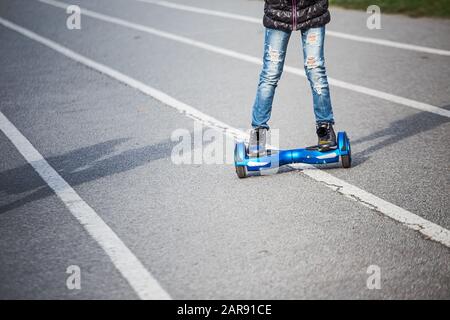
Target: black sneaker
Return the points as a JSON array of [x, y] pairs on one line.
[[326, 136], [257, 144]]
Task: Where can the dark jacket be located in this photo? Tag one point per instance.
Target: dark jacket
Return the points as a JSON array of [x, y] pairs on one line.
[[289, 15]]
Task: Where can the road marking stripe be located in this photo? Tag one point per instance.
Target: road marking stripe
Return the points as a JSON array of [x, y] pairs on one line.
[[389, 43], [428, 229], [244, 57], [142, 282], [209, 12], [222, 14]]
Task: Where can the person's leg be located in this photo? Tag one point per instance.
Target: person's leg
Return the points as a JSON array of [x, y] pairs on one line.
[[275, 46], [314, 62]]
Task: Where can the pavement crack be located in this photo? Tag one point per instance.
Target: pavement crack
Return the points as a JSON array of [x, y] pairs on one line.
[[424, 230], [339, 189]]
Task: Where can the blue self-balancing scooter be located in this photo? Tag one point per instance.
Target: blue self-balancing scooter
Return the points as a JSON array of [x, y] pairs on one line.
[[277, 158]]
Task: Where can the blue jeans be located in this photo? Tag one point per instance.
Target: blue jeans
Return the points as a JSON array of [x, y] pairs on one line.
[[275, 46]]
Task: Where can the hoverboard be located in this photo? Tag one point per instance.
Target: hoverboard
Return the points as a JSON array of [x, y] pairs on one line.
[[277, 158]]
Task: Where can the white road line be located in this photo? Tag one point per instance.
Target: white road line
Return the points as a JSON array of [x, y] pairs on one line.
[[209, 12], [227, 15], [244, 57], [428, 229], [142, 282], [389, 43]]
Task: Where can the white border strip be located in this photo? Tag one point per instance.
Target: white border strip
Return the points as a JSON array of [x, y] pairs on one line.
[[222, 14], [142, 282], [428, 229], [227, 15], [244, 57]]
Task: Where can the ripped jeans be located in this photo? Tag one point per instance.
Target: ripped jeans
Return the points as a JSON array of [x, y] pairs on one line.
[[275, 46]]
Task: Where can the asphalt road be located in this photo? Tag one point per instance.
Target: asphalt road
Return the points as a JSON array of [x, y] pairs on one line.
[[197, 229]]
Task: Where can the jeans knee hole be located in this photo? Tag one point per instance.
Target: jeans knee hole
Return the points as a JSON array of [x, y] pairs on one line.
[[312, 38], [311, 62], [275, 55]]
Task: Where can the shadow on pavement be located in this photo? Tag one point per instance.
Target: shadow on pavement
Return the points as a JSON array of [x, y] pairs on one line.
[[94, 162], [396, 132], [77, 167]]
